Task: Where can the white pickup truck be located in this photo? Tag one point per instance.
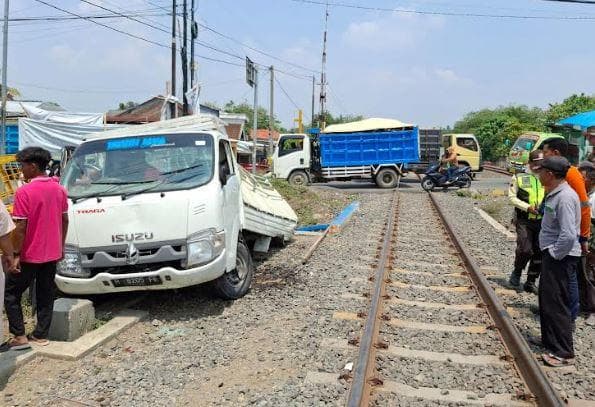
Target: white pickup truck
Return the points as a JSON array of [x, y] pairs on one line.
[[160, 206]]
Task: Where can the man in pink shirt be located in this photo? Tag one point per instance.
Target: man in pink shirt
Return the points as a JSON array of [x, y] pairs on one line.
[[40, 213]]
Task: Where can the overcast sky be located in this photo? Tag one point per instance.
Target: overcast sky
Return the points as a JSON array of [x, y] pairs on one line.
[[428, 69]]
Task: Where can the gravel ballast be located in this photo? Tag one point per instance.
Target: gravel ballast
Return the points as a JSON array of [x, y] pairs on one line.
[[195, 349]]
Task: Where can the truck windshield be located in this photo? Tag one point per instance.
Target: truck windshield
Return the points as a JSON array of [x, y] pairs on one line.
[[125, 166], [524, 144]]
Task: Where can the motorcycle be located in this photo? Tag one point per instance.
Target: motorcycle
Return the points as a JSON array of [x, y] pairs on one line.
[[461, 178]]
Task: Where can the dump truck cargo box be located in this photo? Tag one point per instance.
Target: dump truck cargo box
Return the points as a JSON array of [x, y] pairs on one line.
[[369, 148]]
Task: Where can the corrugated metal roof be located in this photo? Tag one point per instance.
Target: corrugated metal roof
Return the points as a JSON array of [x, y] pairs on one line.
[[581, 121]]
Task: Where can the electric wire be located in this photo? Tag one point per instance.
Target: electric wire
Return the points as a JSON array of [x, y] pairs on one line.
[[444, 13]]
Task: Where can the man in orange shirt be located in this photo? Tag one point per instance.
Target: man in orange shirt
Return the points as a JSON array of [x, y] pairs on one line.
[[559, 147]]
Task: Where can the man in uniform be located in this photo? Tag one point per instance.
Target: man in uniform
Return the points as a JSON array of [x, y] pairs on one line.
[[526, 194]]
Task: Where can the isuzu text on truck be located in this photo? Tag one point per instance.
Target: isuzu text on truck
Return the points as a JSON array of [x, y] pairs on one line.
[[160, 206]]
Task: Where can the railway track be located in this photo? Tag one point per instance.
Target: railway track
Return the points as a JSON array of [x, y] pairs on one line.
[[435, 332], [496, 169]]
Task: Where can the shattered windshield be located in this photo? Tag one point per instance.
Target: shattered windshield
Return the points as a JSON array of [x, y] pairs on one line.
[[524, 144], [124, 166]]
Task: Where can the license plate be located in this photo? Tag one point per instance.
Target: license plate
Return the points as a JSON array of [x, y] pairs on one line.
[[137, 281]]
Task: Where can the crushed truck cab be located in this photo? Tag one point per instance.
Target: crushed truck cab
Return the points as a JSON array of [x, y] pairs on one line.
[[154, 207]]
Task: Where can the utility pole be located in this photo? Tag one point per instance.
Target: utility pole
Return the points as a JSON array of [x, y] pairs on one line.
[[271, 113], [193, 35], [313, 99], [4, 84], [184, 51], [174, 105], [255, 119], [323, 75]]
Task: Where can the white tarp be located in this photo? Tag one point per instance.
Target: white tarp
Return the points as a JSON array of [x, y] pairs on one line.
[[54, 136], [36, 113], [17, 108], [366, 125]]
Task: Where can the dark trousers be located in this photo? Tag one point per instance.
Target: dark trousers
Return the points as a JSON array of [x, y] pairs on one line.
[[586, 284], [527, 248], [557, 298], [16, 284]]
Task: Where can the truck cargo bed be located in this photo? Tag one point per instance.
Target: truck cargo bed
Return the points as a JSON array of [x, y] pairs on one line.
[[265, 211], [369, 148]]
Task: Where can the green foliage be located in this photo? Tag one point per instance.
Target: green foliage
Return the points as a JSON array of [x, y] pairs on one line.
[[262, 115], [493, 127], [127, 105], [497, 129], [570, 106], [330, 119]]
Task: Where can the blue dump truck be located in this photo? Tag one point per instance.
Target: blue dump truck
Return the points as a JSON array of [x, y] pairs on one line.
[[377, 149]]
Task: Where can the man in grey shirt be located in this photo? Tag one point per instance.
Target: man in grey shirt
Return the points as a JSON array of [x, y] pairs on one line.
[[558, 240]]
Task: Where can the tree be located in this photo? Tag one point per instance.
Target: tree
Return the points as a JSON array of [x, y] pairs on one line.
[[263, 116], [11, 93], [570, 106], [497, 129], [330, 119], [127, 105]]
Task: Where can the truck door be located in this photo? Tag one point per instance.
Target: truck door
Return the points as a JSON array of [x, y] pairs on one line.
[[467, 149], [230, 184], [293, 152]]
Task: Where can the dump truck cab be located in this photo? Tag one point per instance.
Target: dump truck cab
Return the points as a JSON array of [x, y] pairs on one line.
[[467, 149], [291, 158], [523, 146]]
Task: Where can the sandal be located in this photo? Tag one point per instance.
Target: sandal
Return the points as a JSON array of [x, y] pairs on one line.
[[38, 341], [555, 361], [13, 344]]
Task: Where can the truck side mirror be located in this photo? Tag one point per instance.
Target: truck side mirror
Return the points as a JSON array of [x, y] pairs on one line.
[[224, 173]]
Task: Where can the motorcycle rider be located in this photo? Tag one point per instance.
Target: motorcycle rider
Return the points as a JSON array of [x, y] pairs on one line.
[[526, 194], [451, 162]]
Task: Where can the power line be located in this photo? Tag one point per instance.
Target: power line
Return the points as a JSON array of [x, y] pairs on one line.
[[104, 25], [206, 27], [35, 86], [125, 16], [446, 13], [289, 97], [573, 1], [90, 17], [138, 37]]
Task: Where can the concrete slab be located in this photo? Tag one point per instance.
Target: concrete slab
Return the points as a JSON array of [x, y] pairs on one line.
[[11, 360], [444, 357], [82, 346], [511, 237], [72, 318], [472, 329], [451, 395]]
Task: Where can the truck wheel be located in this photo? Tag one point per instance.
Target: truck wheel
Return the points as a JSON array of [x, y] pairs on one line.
[[236, 283], [299, 178], [387, 178]]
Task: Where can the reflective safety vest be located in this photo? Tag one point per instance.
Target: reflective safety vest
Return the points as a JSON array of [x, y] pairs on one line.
[[531, 191]]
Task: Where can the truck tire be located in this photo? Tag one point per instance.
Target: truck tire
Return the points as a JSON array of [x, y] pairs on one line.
[[236, 283], [299, 178], [387, 178]]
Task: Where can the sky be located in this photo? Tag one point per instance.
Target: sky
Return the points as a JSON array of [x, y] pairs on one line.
[[427, 69]]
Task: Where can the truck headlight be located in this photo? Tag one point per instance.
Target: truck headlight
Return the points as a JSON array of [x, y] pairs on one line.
[[204, 246], [71, 265]]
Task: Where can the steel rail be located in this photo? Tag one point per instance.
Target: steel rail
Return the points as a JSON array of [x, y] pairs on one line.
[[534, 376], [360, 386], [496, 169]]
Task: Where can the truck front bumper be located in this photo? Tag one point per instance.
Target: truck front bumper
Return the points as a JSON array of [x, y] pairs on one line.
[[170, 277]]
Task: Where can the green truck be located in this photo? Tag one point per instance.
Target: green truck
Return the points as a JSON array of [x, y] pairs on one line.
[[578, 147]]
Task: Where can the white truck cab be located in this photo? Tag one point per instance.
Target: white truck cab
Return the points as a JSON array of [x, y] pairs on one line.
[[155, 207], [291, 158]]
